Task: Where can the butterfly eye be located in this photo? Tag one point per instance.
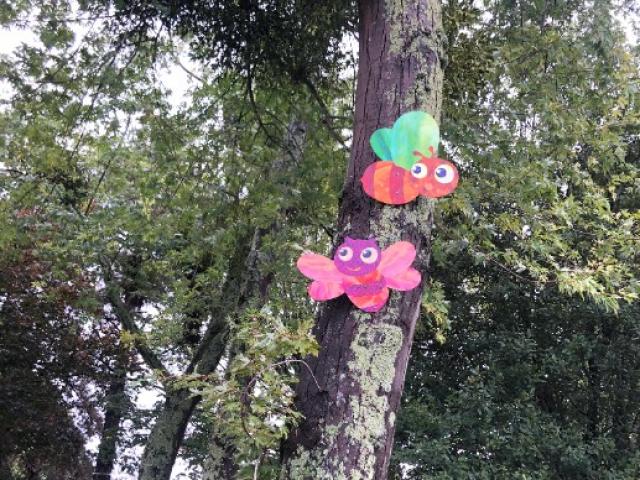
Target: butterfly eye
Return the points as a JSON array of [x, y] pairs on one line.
[[444, 173], [369, 255], [345, 254], [419, 170]]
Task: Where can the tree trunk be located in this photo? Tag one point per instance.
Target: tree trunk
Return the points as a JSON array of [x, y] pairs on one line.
[[167, 433], [348, 426], [166, 436], [244, 284], [116, 405], [220, 463]]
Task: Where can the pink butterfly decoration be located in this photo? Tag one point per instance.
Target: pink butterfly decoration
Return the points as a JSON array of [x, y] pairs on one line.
[[362, 271]]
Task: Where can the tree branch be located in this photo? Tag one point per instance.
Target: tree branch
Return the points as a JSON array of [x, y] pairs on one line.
[[328, 118], [127, 321]]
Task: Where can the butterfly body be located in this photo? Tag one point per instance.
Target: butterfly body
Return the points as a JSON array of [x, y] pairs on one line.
[[389, 183], [370, 284], [409, 166], [362, 271], [431, 177], [368, 292]]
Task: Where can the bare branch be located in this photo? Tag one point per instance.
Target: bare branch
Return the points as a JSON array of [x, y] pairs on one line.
[[127, 321], [328, 118]]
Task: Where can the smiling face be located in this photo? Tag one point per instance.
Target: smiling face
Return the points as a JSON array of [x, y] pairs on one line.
[[357, 257], [434, 176]]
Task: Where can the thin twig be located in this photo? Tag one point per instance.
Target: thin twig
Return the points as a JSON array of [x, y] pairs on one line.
[[187, 71], [256, 470], [325, 111], [106, 167], [254, 106], [244, 398], [517, 275]]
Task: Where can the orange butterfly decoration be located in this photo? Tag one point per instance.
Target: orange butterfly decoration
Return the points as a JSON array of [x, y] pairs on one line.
[[409, 166]]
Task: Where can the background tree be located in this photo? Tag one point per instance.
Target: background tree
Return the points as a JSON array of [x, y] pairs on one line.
[[531, 380], [163, 220], [51, 372]]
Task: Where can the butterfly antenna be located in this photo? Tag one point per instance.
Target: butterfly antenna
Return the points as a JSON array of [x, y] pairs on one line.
[[420, 154]]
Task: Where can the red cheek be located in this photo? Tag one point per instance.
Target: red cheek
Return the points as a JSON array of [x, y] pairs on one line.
[[434, 189], [431, 188]]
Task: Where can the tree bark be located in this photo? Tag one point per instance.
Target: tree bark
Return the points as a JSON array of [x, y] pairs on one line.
[[166, 436], [167, 433], [115, 407], [348, 426]]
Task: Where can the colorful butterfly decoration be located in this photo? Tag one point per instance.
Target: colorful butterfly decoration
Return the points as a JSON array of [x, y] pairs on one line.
[[409, 166], [362, 271]]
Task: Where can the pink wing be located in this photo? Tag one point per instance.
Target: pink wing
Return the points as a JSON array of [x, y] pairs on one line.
[[396, 259], [319, 267], [404, 281], [319, 290]]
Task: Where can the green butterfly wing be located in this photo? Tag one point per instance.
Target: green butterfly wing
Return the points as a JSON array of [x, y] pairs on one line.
[[381, 143], [413, 131]]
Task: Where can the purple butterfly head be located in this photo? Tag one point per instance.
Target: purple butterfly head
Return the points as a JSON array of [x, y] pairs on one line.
[[357, 257]]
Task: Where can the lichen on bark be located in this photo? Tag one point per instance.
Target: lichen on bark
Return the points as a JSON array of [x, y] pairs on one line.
[[375, 349], [371, 370]]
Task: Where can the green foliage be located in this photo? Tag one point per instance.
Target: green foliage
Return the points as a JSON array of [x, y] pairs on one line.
[[542, 146], [526, 384], [256, 398], [535, 256], [296, 40], [435, 310], [525, 364]]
